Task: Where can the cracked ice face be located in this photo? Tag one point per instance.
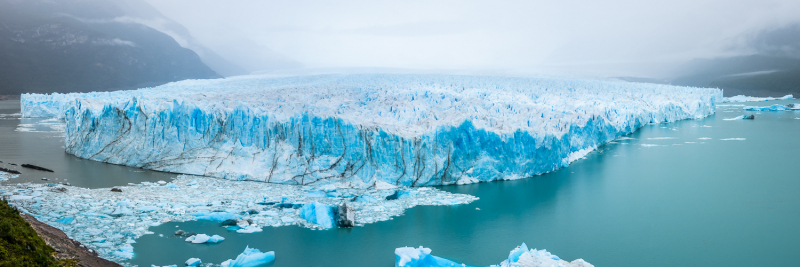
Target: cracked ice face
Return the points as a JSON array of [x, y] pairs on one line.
[[407, 130]]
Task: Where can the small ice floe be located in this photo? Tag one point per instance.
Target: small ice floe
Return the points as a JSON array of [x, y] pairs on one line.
[[125, 251], [518, 257], [742, 117], [52, 125], [705, 138], [650, 145], [193, 262], [5, 176], [203, 238], [250, 257], [660, 138], [733, 139]]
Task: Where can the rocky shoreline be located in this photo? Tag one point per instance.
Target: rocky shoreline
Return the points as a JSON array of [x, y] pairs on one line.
[[65, 247]]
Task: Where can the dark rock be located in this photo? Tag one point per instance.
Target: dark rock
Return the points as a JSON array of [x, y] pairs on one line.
[[252, 211], [267, 203], [12, 164], [749, 117], [345, 216], [29, 166], [61, 189], [116, 190], [9, 171], [44, 179], [180, 233]]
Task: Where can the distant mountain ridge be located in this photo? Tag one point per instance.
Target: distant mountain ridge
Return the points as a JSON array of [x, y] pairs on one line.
[[753, 75], [56, 46]]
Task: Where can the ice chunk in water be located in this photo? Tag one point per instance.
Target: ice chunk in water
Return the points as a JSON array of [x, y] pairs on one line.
[[198, 239], [216, 216], [319, 214], [193, 262], [125, 252], [420, 257], [251, 257], [518, 257]]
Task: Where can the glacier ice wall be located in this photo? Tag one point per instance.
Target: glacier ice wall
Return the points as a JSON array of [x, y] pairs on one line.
[[409, 130]]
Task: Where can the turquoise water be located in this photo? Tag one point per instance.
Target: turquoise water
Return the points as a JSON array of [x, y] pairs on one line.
[[44, 146], [712, 202]]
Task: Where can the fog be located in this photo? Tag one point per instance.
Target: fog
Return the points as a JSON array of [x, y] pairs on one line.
[[638, 38]]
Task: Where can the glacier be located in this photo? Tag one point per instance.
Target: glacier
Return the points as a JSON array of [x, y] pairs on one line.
[[363, 129], [744, 98], [251, 257], [520, 256]]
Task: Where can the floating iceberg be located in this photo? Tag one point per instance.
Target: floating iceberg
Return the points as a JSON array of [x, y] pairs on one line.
[[193, 262], [203, 238], [742, 117], [743, 98], [4, 176], [420, 257], [251, 257], [519, 257], [363, 129], [87, 215], [317, 213], [775, 107]]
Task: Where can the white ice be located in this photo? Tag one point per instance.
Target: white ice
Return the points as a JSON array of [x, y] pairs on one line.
[[363, 129], [203, 238], [251, 257], [117, 218], [743, 98], [518, 257], [193, 262]]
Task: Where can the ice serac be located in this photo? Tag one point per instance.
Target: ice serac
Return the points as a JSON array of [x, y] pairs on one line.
[[363, 129]]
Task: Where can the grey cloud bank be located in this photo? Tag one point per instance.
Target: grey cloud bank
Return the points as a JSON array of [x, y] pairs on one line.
[[610, 37]]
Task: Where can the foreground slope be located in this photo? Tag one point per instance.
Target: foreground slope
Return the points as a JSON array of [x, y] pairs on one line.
[[410, 130]]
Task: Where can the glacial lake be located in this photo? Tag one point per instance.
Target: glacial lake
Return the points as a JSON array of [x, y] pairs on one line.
[[675, 194]]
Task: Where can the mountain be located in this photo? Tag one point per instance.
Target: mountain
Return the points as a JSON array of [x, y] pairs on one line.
[[753, 75], [81, 46]]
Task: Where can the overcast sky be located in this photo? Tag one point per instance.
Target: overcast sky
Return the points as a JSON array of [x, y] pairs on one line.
[[615, 34]]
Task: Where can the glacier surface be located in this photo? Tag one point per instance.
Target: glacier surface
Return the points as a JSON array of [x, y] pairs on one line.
[[363, 129], [743, 98], [521, 256]]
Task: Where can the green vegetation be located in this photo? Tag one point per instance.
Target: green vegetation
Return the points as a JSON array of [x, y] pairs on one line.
[[20, 245]]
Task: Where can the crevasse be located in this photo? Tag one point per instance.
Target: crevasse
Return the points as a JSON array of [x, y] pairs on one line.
[[410, 130]]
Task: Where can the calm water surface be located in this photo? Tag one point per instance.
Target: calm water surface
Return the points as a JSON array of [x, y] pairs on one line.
[[41, 145], [664, 198]]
